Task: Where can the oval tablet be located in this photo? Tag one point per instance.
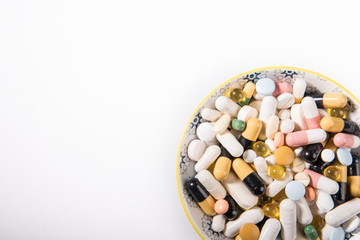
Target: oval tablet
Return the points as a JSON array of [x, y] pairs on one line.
[[196, 149], [272, 126], [205, 132], [285, 100]]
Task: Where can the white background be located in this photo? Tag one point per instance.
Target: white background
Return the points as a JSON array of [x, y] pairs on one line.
[[95, 95]]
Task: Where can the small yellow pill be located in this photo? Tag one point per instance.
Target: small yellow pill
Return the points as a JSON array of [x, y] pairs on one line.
[[222, 168], [271, 210], [276, 171]]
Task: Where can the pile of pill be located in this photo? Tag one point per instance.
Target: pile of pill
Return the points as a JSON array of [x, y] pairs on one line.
[[272, 160]]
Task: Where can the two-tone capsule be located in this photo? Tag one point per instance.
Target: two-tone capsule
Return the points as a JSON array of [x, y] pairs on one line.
[[201, 196], [250, 178], [251, 133], [330, 100], [336, 125]]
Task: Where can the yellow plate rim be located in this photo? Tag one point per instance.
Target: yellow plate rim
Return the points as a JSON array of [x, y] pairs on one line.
[[203, 101]]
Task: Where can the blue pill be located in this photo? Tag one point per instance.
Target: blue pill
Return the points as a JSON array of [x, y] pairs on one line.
[[295, 190], [337, 234], [344, 156], [265, 86]]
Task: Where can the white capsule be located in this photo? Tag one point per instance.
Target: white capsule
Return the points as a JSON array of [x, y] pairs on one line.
[[247, 112], [326, 232], [270, 230], [261, 168], [222, 123], [258, 96], [285, 100], [303, 212], [254, 216], [344, 156], [218, 223], [210, 114], [239, 192], [284, 114], [249, 156], [352, 224], [297, 115], [343, 212], [311, 112], [205, 132], [288, 219], [226, 106], [212, 185], [270, 159], [196, 149], [268, 108], [327, 155], [230, 143], [287, 126], [324, 201], [299, 88], [272, 126], [271, 145], [337, 233], [277, 185], [210, 155]]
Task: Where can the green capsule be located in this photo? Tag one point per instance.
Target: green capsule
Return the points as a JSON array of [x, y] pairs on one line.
[[237, 124], [311, 233]]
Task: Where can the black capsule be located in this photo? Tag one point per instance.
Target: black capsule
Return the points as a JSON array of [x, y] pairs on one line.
[[234, 210], [254, 183], [312, 152]]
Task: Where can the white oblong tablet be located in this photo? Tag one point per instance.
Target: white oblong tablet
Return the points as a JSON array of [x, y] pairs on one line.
[[285, 100], [303, 212], [343, 212], [247, 112], [277, 185], [230, 143], [261, 168], [299, 88], [226, 106], [212, 185], [222, 123], [324, 201], [210, 114], [352, 224], [288, 219], [196, 149], [210, 155], [239, 192], [297, 115], [270, 230], [205, 132], [272, 126]]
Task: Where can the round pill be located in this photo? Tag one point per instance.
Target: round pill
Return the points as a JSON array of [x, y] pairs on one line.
[[276, 171], [221, 206], [298, 165], [303, 178], [295, 190], [327, 155], [310, 194], [249, 231], [284, 114], [344, 156], [287, 126], [249, 156], [205, 132], [265, 86], [196, 149], [337, 233], [284, 155], [285, 100]]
